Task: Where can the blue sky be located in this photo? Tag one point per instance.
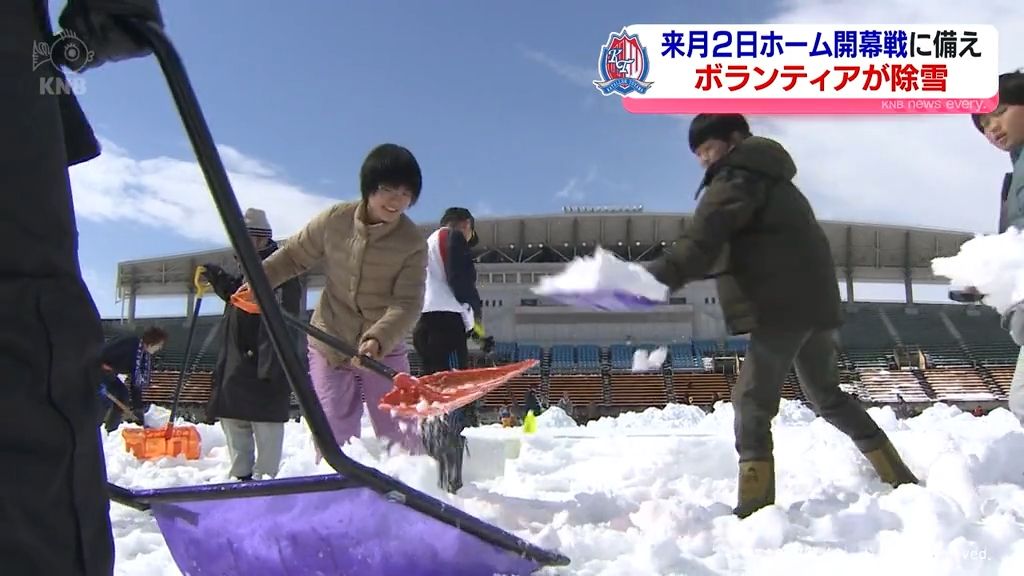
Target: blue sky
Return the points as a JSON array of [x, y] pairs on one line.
[[494, 99]]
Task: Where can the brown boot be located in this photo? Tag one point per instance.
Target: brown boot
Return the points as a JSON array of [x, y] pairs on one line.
[[756, 487], [889, 465]]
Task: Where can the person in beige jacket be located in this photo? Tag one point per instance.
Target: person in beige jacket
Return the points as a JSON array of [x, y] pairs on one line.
[[374, 259]]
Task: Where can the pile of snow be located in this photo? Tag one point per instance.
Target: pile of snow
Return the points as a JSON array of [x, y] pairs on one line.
[[624, 503], [653, 360], [555, 417], [994, 264], [602, 272]]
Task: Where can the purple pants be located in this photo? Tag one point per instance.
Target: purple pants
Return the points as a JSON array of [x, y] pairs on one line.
[[342, 391]]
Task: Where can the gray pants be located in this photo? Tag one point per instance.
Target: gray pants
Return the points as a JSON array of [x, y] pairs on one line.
[[1016, 400], [759, 388], [254, 447]]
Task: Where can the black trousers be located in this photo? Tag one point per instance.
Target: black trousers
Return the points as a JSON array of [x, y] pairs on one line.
[[54, 506], [440, 341], [130, 397], [758, 390]]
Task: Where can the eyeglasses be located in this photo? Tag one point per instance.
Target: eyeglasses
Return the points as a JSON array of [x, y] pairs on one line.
[[393, 192]]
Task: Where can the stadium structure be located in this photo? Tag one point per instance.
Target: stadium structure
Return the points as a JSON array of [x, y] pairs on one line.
[[903, 353]]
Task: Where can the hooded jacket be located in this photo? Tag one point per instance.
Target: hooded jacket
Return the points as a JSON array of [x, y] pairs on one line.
[[249, 382], [756, 234]]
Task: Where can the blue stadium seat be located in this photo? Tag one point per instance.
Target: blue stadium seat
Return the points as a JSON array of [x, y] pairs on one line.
[[562, 358], [683, 357], [588, 358], [705, 347], [530, 351], [621, 356], [505, 351], [737, 345]]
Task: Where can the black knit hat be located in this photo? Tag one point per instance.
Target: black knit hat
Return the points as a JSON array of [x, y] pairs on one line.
[[706, 127], [1011, 93]]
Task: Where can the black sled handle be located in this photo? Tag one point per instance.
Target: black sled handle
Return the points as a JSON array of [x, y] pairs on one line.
[[341, 346]]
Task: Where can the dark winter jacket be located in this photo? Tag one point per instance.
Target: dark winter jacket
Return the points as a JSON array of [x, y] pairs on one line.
[[121, 353], [1013, 193], [249, 382], [461, 271], [755, 232]]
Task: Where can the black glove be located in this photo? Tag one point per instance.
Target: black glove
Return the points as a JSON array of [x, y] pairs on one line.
[[210, 272], [100, 38], [487, 344]]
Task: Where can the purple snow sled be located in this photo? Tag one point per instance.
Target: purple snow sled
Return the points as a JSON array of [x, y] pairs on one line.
[[359, 521], [606, 300]]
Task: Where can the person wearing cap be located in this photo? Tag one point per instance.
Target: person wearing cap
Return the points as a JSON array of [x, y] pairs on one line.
[[1004, 129], [251, 395], [451, 310], [756, 234], [374, 258]]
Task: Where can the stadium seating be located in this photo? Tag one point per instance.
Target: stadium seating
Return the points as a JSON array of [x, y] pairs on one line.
[[682, 357], [865, 338], [563, 358], [958, 384], [885, 385], [621, 356], [976, 367], [1002, 376], [638, 391], [582, 389], [700, 388], [986, 339], [588, 358]]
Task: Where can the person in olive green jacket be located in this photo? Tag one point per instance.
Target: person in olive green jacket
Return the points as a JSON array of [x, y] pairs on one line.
[[755, 232], [375, 261]]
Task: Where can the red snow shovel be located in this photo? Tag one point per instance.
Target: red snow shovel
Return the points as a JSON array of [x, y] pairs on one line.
[[412, 397]]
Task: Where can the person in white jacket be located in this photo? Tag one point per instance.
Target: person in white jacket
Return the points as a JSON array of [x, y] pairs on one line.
[[452, 311]]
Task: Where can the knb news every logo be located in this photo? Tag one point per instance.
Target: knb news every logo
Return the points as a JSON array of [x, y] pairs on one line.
[[65, 48], [802, 69]]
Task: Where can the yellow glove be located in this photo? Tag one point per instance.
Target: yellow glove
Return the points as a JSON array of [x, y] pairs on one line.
[[478, 330]]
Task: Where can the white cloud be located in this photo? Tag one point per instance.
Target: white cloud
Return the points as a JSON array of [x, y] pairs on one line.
[[933, 171], [578, 75], [577, 186], [171, 195]]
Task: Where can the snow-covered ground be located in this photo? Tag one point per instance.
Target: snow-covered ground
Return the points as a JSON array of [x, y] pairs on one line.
[[651, 493]]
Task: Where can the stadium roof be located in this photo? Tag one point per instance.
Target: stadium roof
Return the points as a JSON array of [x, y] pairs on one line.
[[872, 252]]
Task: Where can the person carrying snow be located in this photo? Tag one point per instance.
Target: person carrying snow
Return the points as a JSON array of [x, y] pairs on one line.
[[1004, 129], [54, 498], [133, 356], [251, 395], [755, 232], [374, 258], [452, 311]]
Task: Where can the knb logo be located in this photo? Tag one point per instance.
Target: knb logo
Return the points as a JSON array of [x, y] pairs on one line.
[[67, 49]]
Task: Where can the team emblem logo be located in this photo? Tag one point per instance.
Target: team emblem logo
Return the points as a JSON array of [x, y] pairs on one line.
[[623, 65]]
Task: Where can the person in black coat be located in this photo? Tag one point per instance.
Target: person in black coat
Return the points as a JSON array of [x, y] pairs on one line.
[[54, 501], [251, 395], [133, 356]]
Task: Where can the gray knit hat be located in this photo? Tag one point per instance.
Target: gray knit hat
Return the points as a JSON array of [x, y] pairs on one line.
[[257, 223]]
